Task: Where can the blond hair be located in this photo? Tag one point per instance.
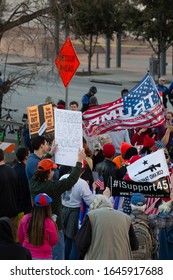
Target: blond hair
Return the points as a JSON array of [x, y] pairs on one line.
[[104, 139], [100, 201]]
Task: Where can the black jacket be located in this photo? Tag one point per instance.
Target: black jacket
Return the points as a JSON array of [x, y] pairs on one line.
[[9, 250], [106, 168], [8, 192], [98, 158], [23, 192], [55, 188]]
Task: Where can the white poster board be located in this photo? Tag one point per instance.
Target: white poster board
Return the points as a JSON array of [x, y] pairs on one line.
[[68, 136]]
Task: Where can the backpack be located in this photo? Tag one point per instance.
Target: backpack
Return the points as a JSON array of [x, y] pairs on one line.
[[145, 250]]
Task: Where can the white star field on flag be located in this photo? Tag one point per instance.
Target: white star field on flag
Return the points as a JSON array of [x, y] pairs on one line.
[[144, 93]]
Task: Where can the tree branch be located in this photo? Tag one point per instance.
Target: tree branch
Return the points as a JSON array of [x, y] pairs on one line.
[[23, 19]]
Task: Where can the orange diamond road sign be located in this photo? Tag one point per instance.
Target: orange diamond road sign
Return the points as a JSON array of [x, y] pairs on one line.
[[67, 62]]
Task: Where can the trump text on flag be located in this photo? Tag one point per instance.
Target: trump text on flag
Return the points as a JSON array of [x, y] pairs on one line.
[[140, 107]]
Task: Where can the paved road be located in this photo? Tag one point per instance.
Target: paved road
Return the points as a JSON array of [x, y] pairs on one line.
[[49, 84], [109, 82]]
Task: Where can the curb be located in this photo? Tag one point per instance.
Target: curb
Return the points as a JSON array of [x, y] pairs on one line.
[[106, 82], [113, 82]]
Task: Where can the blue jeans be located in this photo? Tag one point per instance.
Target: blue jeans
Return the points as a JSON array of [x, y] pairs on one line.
[[71, 252], [58, 249]]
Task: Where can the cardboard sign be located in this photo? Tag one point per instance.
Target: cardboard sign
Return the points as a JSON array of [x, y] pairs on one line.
[[41, 119], [68, 136]]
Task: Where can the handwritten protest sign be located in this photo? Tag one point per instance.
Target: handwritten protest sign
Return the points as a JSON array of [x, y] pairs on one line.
[[34, 120], [48, 117], [68, 136], [41, 119]]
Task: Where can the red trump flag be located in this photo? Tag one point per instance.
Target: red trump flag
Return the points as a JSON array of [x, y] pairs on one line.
[[140, 107]]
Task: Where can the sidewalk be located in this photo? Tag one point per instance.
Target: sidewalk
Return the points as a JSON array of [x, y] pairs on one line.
[[133, 69]]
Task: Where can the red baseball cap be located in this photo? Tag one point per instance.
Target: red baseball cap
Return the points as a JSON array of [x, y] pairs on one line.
[[46, 164]]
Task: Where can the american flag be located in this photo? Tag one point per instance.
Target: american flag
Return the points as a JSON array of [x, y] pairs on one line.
[[82, 213], [100, 183], [140, 107], [150, 205]]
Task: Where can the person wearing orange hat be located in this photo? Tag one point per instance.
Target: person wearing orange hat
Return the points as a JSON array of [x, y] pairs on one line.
[[127, 150]]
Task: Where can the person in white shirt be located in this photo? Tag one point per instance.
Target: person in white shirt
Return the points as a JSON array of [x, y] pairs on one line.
[[71, 202], [118, 137]]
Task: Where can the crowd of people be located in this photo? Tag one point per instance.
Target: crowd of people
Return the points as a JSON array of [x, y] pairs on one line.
[[62, 212]]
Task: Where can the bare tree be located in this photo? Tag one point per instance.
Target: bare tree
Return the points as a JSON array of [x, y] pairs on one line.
[[21, 13], [23, 18]]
